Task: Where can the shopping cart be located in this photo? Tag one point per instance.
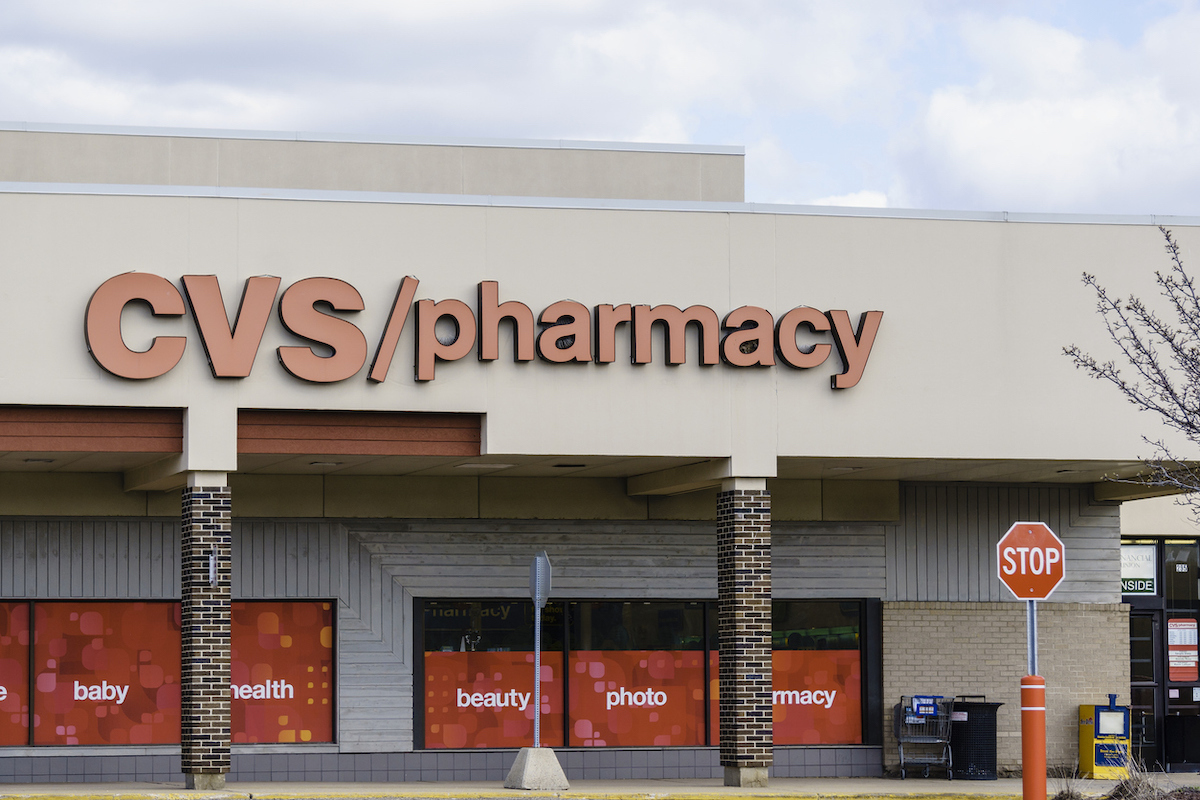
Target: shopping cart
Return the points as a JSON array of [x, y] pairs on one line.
[[922, 726]]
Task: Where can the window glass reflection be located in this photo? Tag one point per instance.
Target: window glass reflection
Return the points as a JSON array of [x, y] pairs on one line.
[[489, 626], [637, 626], [815, 625], [1141, 649], [1180, 574]]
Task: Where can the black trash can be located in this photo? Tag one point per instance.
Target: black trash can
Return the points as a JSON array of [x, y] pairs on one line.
[[973, 738]]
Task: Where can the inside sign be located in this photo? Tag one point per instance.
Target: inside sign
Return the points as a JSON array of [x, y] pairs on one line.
[[1031, 560]]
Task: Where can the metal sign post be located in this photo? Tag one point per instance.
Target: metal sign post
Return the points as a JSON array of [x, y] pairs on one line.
[[539, 590], [1031, 635], [1031, 562], [1033, 716], [537, 767]]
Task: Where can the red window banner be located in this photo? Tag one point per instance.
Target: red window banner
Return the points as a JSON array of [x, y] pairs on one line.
[[484, 699], [106, 673], [637, 698], [817, 697], [14, 673], [281, 671], [1183, 654]]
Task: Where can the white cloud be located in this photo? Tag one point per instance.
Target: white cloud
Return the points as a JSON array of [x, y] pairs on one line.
[[774, 171], [583, 69], [47, 86], [822, 56], [933, 103], [867, 198], [1058, 123]]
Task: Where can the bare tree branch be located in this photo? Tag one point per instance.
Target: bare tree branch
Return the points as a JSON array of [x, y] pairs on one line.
[[1162, 358]]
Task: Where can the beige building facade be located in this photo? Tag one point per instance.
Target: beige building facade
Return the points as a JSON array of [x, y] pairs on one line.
[[343, 392]]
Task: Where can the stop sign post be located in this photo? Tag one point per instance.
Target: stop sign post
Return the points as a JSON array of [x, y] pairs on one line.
[[1031, 562]]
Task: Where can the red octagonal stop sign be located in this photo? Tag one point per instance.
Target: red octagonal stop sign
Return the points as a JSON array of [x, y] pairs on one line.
[[1031, 560]]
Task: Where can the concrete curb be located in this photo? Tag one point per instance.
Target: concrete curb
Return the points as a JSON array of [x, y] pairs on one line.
[[92, 794], [501, 794], [666, 789], [426, 793], [582, 795]]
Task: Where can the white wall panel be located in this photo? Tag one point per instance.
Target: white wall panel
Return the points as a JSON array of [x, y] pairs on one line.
[[967, 364]]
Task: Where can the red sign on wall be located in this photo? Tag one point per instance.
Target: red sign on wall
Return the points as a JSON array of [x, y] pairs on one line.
[[817, 697], [1183, 653], [106, 673], [14, 673], [281, 672], [637, 698], [485, 699]]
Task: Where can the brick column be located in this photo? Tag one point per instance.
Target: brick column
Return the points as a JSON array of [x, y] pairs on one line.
[[206, 570], [744, 630]]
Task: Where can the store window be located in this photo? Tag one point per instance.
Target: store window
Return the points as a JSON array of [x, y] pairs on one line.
[[281, 671], [638, 673], [478, 674], [1179, 580], [817, 668], [14, 673], [108, 672], [816, 673]]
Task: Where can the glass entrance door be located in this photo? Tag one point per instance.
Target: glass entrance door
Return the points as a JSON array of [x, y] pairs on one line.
[[1160, 580], [1180, 731], [1145, 676]]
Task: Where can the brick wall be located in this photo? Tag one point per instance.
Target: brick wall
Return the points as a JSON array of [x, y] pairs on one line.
[[744, 626], [205, 554], [980, 648]]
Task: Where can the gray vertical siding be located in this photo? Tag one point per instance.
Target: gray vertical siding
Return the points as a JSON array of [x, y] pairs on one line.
[[287, 559], [86, 559], [945, 546]]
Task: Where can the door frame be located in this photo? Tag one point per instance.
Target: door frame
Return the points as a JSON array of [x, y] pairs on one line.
[[1153, 756]]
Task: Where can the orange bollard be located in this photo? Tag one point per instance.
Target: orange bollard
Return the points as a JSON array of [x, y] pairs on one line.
[[1033, 737]]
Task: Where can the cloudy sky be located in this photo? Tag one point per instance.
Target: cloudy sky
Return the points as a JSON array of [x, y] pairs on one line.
[[1057, 105]]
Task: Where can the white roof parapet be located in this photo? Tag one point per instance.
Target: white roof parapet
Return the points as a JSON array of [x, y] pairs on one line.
[[515, 201], [372, 138]]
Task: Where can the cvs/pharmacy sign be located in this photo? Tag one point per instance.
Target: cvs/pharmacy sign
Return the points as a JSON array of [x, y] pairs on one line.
[[1031, 560]]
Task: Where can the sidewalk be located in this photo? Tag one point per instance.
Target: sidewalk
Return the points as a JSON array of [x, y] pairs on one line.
[[680, 789]]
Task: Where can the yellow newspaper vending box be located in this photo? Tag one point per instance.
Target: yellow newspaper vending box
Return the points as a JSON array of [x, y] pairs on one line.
[[1104, 741]]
